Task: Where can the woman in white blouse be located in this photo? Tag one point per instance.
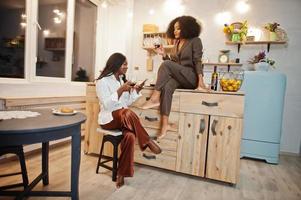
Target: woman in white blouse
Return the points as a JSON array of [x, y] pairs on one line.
[[116, 94]]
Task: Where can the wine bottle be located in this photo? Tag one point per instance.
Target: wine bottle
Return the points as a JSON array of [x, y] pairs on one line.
[[214, 79]]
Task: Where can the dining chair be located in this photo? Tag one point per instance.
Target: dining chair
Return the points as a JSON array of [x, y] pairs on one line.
[[18, 151]]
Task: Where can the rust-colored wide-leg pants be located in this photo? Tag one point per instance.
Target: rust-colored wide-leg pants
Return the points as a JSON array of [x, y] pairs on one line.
[[127, 121]]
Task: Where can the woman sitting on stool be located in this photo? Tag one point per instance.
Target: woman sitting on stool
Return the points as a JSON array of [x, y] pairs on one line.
[[115, 95]]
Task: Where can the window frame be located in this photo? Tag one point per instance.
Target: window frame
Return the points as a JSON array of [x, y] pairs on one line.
[[31, 38]]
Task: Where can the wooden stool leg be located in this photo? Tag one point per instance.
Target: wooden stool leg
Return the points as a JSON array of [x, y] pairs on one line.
[[23, 168], [100, 154], [115, 160]]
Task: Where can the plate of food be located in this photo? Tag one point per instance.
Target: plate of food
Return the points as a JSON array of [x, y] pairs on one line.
[[65, 111]]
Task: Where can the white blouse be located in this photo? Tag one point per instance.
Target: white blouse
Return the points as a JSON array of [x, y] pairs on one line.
[[106, 90]]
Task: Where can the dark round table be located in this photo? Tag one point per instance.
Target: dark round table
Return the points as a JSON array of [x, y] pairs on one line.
[[42, 129]]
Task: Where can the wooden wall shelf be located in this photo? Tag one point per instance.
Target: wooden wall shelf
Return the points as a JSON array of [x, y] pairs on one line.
[[151, 50], [55, 44], [268, 43], [222, 64]]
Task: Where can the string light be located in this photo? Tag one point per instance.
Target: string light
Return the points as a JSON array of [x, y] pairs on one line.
[[104, 4], [46, 32], [242, 7], [23, 20], [174, 7], [151, 12]]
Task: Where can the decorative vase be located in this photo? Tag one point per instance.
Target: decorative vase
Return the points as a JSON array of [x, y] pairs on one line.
[[262, 66], [235, 37], [273, 36]]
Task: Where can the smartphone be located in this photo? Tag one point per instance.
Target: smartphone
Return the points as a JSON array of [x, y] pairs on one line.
[[143, 82], [132, 84]]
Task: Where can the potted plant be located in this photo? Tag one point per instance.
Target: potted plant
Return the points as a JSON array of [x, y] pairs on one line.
[[236, 31], [261, 62], [272, 28], [81, 75]]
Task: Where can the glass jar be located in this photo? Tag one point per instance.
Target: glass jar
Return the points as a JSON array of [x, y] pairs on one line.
[[232, 81]]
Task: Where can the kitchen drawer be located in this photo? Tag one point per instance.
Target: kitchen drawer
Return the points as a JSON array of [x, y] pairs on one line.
[[152, 118], [166, 159], [146, 93], [160, 160], [230, 105], [168, 143]]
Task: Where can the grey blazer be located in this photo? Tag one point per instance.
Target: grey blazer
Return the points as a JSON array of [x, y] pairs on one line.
[[190, 55]]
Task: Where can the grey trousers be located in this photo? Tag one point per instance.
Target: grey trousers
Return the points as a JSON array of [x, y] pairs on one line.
[[171, 76]]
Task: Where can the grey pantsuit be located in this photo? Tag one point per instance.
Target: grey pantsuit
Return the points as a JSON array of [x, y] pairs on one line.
[[179, 71]]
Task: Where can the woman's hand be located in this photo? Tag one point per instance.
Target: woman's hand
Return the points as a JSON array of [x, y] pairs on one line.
[[139, 87], [201, 85], [126, 87], [160, 50], [203, 89]]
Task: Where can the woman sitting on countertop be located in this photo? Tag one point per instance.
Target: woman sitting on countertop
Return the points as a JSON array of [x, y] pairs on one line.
[[116, 94], [181, 69]]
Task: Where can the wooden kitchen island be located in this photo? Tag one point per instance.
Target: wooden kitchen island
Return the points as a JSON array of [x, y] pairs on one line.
[[204, 142]]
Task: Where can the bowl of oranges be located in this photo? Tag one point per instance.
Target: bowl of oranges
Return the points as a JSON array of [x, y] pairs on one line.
[[232, 81]]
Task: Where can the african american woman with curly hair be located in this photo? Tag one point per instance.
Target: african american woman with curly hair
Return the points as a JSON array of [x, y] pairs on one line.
[[182, 68]]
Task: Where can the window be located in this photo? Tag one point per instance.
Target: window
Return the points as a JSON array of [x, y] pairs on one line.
[[12, 38], [51, 40], [61, 44], [84, 41]]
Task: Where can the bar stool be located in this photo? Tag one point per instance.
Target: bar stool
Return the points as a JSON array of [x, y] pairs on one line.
[[115, 137], [17, 150]]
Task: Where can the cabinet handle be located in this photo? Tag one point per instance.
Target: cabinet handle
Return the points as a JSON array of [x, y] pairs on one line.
[[197, 136], [147, 98], [149, 157], [179, 137], [151, 119], [213, 127], [205, 103], [202, 126]]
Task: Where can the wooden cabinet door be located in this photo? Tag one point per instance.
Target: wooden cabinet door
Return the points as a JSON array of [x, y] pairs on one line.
[[191, 152], [92, 138], [223, 155]]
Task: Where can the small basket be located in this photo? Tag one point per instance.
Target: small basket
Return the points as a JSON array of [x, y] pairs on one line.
[[232, 81], [237, 25]]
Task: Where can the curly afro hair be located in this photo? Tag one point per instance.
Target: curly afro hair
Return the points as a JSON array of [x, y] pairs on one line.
[[190, 28]]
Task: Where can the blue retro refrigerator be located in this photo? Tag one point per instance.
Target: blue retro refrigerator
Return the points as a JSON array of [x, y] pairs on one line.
[[264, 102]]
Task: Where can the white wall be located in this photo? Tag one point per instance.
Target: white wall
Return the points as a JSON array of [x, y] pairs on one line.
[[84, 41], [287, 13], [115, 32]]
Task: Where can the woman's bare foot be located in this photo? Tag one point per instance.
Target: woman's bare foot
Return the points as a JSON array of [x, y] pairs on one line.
[[154, 147], [119, 181], [150, 104], [164, 130]]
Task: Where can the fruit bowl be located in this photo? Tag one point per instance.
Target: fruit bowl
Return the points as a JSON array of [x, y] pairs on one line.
[[232, 81]]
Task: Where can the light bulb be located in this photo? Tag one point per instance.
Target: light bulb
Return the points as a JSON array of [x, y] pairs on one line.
[[104, 4], [151, 12], [242, 6], [56, 11], [46, 32], [23, 24]]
